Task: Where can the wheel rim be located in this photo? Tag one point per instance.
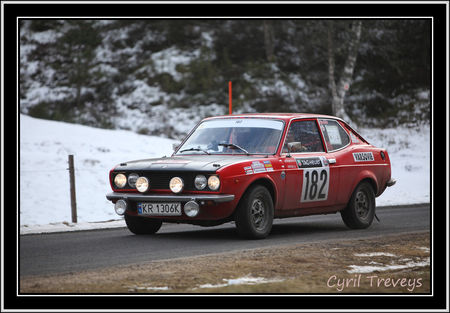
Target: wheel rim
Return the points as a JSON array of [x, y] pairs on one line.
[[258, 214], [362, 205]]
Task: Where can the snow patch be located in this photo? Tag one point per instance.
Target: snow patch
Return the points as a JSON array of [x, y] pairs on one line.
[[66, 226], [247, 280], [148, 288], [382, 268], [373, 254], [166, 61]]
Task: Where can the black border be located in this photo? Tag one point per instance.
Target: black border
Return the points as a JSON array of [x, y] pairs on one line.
[[235, 10]]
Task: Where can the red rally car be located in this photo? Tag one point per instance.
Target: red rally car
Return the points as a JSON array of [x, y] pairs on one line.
[[252, 168]]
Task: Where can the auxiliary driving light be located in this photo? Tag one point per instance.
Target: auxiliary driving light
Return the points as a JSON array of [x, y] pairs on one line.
[[142, 184], [176, 184], [191, 208], [120, 207]]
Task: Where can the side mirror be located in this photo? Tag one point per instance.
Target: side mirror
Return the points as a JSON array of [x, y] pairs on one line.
[[175, 146], [290, 145], [295, 146], [289, 148]]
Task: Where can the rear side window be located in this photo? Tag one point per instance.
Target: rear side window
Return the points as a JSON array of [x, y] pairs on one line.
[[335, 136], [355, 138]]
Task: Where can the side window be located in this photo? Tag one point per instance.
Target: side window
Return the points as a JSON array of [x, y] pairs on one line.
[[303, 136], [354, 137], [335, 136]]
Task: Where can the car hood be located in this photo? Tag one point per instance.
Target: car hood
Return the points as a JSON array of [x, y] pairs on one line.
[[207, 163]]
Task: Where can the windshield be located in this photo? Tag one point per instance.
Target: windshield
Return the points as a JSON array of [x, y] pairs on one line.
[[234, 136]]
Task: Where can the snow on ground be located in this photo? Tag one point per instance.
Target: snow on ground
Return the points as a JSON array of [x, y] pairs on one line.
[[247, 280], [147, 288], [409, 151], [44, 178], [387, 267], [371, 254]]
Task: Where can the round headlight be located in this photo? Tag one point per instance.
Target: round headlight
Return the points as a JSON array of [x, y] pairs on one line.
[[200, 182], [176, 184], [142, 184], [213, 182], [120, 180], [132, 179]]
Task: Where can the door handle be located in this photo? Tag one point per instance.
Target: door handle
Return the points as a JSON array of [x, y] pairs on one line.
[[332, 161]]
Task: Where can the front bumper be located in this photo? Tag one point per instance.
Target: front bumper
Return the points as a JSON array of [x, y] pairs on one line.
[[114, 196]]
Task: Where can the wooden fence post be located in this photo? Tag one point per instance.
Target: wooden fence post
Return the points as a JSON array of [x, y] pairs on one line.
[[73, 200]]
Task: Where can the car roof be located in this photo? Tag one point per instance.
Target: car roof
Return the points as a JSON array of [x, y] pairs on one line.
[[282, 116]]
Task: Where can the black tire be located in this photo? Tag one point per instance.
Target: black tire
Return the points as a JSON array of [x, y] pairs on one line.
[[142, 225], [254, 214], [360, 210]]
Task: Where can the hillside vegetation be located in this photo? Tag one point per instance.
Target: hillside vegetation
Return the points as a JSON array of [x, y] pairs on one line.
[[160, 77]]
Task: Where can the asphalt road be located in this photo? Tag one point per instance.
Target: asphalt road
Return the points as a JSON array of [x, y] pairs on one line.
[[76, 251]]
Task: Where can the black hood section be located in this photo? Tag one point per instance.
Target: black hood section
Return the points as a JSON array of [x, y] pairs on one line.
[[202, 163]]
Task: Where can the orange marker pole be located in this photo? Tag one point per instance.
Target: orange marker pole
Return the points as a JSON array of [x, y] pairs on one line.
[[230, 106]]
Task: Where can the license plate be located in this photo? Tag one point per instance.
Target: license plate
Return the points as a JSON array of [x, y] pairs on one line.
[[160, 208]]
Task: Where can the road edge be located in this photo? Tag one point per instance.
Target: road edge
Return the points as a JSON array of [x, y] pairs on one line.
[[65, 227]]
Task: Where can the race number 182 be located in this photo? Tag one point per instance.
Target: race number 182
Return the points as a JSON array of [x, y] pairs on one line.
[[315, 184]]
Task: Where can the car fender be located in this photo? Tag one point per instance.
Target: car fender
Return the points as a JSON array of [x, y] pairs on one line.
[[237, 183], [267, 181], [363, 175]]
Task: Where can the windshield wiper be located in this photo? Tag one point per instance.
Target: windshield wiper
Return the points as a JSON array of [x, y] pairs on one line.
[[194, 149], [233, 146]]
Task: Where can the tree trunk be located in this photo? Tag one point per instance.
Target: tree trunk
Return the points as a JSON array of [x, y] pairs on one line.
[[269, 41], [339, 90], [331, 68], [78, 80]]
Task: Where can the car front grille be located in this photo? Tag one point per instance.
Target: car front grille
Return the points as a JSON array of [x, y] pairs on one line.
[[160, 180]]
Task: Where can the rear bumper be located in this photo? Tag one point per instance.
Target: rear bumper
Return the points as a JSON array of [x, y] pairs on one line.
[[114, 196], [391, 182]]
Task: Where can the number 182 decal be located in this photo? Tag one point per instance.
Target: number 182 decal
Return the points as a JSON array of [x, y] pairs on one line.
[[315, 181]]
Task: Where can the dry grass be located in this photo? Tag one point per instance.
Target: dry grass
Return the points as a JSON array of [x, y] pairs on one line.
[[304, 268]]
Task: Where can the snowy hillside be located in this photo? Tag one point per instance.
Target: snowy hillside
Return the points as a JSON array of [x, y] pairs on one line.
[[44, 178], [119, 73]]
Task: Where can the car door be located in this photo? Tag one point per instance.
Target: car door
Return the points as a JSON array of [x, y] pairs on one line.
[[310, 180], [337, 142]]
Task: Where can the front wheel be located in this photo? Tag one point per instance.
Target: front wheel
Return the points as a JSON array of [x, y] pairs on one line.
[[254, 214], [142, 225], [360, 210]]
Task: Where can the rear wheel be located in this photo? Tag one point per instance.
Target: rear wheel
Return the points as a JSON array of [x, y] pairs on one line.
[[360, 210], [142, 225], [254, 214]]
